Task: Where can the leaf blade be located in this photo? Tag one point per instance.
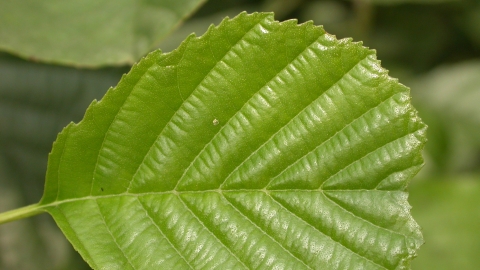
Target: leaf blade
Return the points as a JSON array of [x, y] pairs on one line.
[[206, 151]]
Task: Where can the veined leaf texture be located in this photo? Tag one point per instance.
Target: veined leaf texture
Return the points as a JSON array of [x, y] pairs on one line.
[[260, 145]]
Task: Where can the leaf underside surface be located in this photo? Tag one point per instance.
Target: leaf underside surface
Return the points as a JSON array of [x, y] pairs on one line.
[[260, 145], [88, 32]]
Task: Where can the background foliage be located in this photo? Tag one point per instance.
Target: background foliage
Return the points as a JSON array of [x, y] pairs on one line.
[[431, 46]]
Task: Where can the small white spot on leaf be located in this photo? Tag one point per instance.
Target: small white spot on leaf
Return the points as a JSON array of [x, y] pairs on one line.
[[215, 122]]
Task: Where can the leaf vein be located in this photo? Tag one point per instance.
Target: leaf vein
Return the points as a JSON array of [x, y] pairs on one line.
[[264, 232], [219, 132], [60, 164], [110, 233], [293, 118], [363, 219], [412, 166], [331, 137], [245, 104], [329, 236], [163, 129], [367, 221], [211, 232], [368, 153], [110, 125], [161, 232], [81, 242]]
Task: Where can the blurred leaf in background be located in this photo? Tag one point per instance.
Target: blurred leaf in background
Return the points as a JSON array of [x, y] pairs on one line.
[[432, 46], [88, 32], [448, 209], [448, 99]]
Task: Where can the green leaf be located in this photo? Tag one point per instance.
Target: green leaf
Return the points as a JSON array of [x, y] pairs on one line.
[[258, 145], [88, 33]]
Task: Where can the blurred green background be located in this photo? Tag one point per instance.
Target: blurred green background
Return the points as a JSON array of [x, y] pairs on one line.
[[432, 46]]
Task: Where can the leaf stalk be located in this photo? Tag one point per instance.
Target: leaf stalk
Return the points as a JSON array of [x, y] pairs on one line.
[[20, 213]]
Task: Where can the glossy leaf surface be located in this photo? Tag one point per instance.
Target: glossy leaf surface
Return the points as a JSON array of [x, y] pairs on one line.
[[88, 32], [258, 145]]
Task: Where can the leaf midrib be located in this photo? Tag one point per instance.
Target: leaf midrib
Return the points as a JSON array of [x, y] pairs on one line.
[[219, 191], [177, 193]]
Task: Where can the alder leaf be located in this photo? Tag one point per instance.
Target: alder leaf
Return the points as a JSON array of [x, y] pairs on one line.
[[258, 145]]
